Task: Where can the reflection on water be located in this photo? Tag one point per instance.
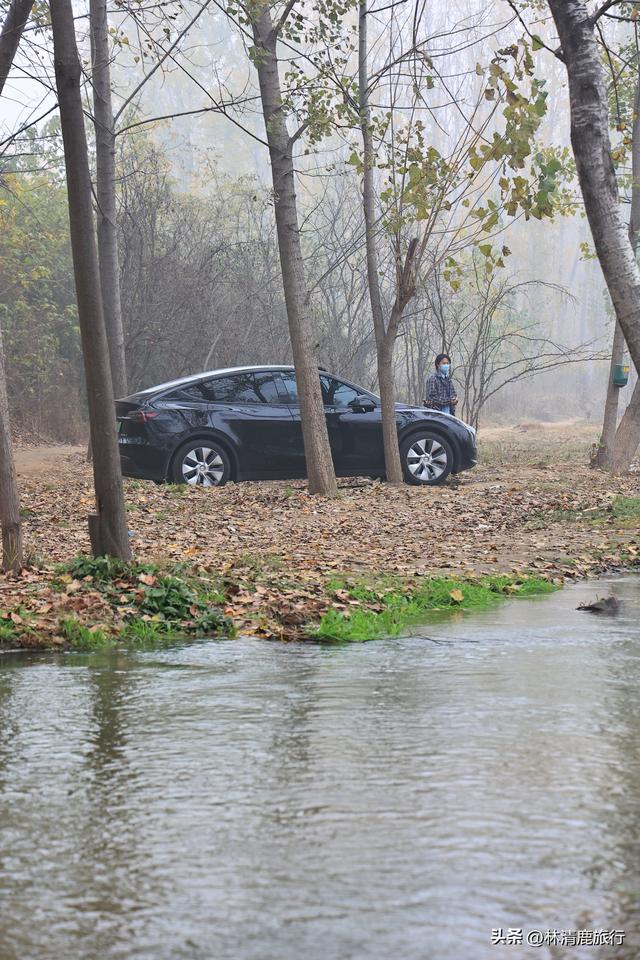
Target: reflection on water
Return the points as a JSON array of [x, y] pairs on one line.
[[396, 799]]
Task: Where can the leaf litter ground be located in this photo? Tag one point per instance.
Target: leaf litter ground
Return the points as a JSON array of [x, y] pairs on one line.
[[280, 560]]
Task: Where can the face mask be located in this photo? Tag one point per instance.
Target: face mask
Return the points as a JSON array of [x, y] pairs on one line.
[[444, 368]]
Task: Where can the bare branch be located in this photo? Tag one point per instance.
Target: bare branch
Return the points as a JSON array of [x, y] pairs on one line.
[[277, 27], [26, 126], [603, 9], [558, 51], [171, 116], [166, 54]]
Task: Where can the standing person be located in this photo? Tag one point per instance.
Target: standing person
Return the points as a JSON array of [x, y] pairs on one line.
[[440, 393]]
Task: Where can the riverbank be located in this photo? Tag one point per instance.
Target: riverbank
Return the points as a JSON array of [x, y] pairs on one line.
[[90, 604], [278, 563]]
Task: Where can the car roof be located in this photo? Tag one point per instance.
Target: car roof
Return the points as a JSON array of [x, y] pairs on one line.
[[194, 377]]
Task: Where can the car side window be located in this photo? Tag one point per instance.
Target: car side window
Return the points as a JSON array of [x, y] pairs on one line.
[[337, 394], [240, 388], [267, 389], [191, 392], [291, 387]]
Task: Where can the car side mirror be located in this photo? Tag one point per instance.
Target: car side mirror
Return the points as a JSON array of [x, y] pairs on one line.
[[362, 404]]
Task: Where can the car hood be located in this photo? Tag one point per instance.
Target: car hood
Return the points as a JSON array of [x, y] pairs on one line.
[[414, 408]]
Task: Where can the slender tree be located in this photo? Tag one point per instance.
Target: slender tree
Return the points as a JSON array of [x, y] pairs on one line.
[[281, 143], [618, 445], [592, 150], [108, 527], [385, 338], [106, 193], [10, 35], [604, 452], [434, 203], [12, 28], [9, 502]]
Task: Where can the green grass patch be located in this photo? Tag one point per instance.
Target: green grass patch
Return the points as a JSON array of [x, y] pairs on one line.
[[259, 565], [150, 634], [12, 632], [592, 515], [626, 508], [387, 607], [81, 637], [153, 605], [8, 633], [178, 490]]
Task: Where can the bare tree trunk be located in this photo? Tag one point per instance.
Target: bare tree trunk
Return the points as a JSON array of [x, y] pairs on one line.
[[384, 346], [12, 28], [10, 35], [592, 151], [604, 452], [317, 450], [106, 194], [387, 384], [108, 529], [9, 502], [625, 445]]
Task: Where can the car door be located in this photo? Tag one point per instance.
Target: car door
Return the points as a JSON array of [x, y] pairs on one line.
[[249, 408], [296, 460], [355, 434], [355, 437]]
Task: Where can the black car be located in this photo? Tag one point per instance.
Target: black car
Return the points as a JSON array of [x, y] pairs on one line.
[[243, 423]]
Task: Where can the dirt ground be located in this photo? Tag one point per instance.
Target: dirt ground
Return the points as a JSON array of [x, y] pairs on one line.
[[526, 500], [50, 461], [532, 442], [531, 505]]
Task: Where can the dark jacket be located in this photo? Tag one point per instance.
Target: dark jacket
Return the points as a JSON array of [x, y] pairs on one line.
[[439, 392]]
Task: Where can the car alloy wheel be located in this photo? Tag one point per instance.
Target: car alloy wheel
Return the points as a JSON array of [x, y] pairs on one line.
[[427, 459], [201, 465]]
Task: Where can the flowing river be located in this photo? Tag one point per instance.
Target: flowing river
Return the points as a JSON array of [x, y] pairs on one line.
[[395, 800]]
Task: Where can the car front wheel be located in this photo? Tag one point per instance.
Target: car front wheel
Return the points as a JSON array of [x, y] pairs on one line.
[[427, 459], [201, 463]]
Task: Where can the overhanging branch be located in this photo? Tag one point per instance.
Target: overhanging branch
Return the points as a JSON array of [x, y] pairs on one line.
[[603, 9]]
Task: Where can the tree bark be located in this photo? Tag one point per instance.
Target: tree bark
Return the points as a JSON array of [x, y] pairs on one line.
[[384, 346], [9, 501], [320, 470], [12, 28], [106, 194], [112, 524], [592, 152], [604, 452], [625, 443], [613, 446]]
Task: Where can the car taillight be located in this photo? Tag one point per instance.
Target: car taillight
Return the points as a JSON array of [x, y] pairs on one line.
[[141, 416]]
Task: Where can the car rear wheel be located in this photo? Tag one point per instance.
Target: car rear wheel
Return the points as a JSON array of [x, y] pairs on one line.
[[427, 459], [201, 463]]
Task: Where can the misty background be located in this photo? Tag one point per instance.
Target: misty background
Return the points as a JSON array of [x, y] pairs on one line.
[[200, 274]]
